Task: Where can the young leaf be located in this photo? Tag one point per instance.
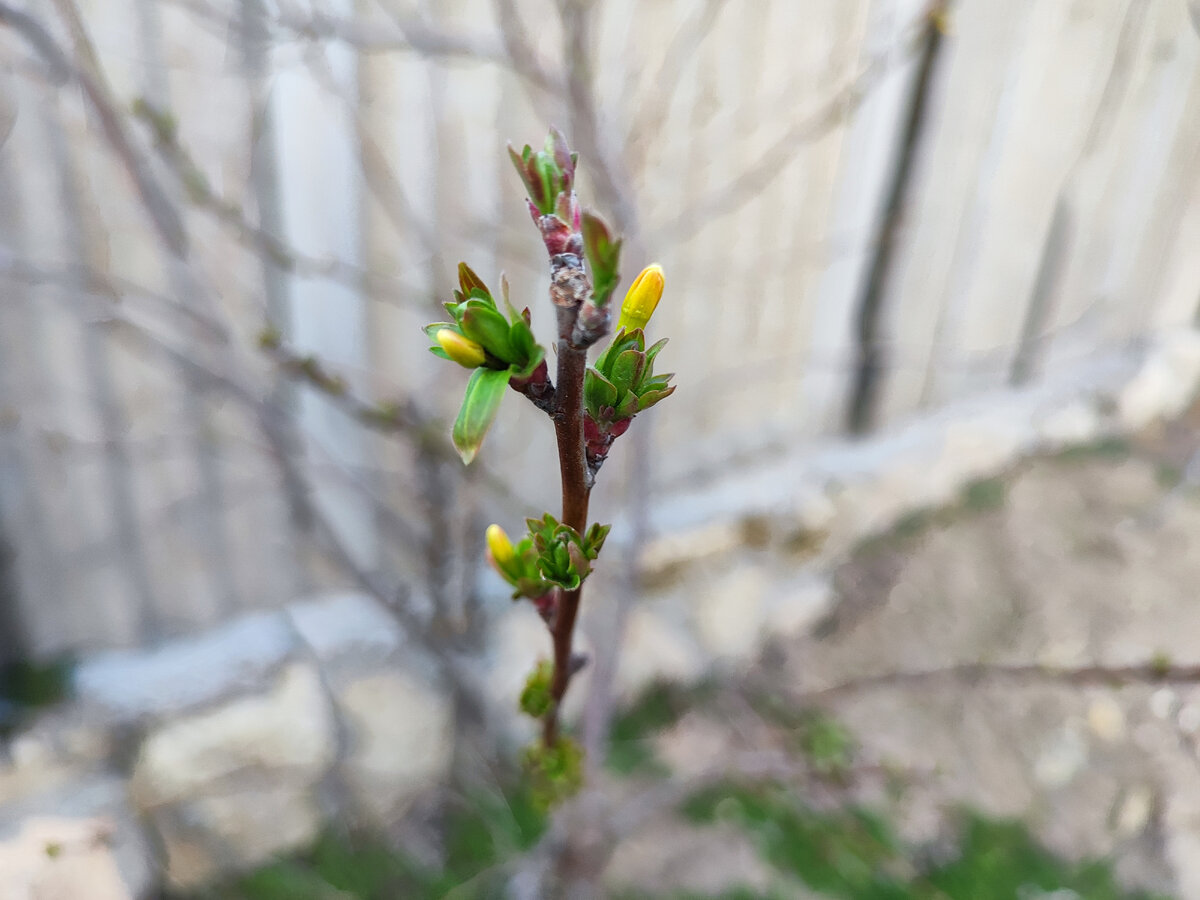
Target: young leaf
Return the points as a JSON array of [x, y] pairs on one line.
[[468, 280], [603, 256], [627, 369], [485, 390], [598, 391], [485, 325]]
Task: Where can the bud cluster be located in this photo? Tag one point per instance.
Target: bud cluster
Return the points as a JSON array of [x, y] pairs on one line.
[[551, 555], [571, 235], [480, 335], [501, 350], [622, 382]]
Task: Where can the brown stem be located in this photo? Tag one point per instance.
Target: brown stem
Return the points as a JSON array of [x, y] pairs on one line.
[[568, 429]]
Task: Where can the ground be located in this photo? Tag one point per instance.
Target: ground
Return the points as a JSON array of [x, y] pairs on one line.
[[1090, 557], [948, 787]]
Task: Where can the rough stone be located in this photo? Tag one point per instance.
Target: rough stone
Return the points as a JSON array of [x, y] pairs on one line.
[[32, 767], [1071, 424], [667, 856], [400, 741], [229, 832], [794, 607], [518, 640], [694, 746], [668, 554], [730, 612], [349, 626], [92, 804], [183, 674], [1165, 383], [289, 731], [656, 649], [60, 859]]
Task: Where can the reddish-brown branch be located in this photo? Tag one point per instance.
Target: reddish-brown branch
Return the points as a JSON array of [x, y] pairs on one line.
[[568, 429]]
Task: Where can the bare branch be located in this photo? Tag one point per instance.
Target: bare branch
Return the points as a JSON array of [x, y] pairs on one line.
[[1154, 672], [652, 112], [759, 175], [36, 34], [90, 76], [520, 54]]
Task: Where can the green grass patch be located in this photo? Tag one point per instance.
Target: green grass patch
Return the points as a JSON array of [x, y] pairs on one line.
[[660, 706], [479, 837], [853, 853], [1111, 449], [985, 494]]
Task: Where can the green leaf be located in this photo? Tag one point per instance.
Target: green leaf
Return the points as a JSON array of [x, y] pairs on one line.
[[603, 256], [653, 350], [548, 183], [626, 369], [487, 326], [594, 541], [432, 330], [523, 344], [648, 399], [469, 281], [536, 698], [598, 392], [485, 390]]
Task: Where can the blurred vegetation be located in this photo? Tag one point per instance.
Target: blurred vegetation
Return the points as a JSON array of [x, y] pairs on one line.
[[27, 686], [846, 853]]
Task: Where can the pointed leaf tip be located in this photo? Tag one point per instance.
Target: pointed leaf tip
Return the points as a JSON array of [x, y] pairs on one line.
[[480, 403]]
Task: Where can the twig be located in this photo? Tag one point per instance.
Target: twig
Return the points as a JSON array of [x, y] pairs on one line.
[[61, 69], [91, 78], [1150, 673], [758, 175], [868, 314], [650, 117]]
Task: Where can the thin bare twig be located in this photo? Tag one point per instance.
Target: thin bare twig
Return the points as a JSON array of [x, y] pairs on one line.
[[759, 175], [91, 78], [39, 37], [974, 674], [650, 117]]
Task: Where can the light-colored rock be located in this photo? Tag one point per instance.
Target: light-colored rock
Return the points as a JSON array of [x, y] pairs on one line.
[[32, 766], [289, 732], [1073, 423], [672, 857], [729, 613], [656, 649], [346, 626], [671, 551], [224, 833], [794, 607], [519, 640], [60, 859], [1133, 812], [1106, 719], [400, 741], [95, 803], [183, 674], [694, 746], [1165, 383]]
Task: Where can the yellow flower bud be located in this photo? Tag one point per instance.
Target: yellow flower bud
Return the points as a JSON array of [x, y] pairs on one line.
[[642, 298], [463, 351], [499, 546]]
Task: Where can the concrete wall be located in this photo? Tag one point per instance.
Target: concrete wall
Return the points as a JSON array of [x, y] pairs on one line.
[[1052, 219]]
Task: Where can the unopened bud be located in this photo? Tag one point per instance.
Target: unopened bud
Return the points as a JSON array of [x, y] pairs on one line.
[[499, 546], [642, 298], [462, 350]]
